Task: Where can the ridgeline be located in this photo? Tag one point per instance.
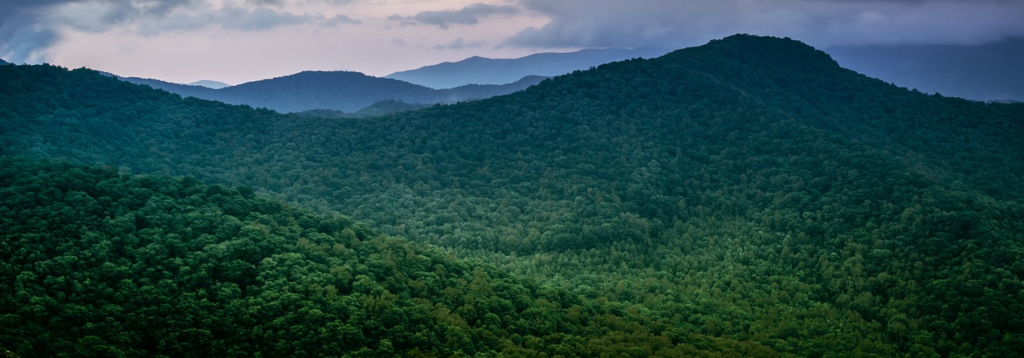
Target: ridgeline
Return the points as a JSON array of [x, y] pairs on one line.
[[746, 193]]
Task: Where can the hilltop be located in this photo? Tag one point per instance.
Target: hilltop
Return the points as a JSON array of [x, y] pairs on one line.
[[748, 190]]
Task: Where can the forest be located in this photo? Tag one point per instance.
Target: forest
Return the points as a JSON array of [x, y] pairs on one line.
[[747, 197], [115, 265]]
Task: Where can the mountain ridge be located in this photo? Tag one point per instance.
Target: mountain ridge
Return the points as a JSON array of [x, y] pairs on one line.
[[333, 90], [748, 188], [481, 70], [983, 72]]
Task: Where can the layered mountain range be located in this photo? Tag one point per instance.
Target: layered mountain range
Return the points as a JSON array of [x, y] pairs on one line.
[[983, 72], [333, 90], [747, 197], [481, 70]]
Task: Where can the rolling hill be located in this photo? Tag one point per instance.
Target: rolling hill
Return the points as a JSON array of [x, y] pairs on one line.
[[340, 91], [481, 70], [746, 197]]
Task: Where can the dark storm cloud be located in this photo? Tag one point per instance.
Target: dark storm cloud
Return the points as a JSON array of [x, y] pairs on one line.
[[265, 2], [260, 18], [402, 20], [616, 23], [20, 36], [237, 18], [342, 20], [460, 44], [282, 2], [27, 27], [469, 15]]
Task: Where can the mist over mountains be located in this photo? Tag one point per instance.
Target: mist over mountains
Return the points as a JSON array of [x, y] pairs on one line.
[[334, 90], [210, 84], [747, 197], [480, 70], [984, 72]]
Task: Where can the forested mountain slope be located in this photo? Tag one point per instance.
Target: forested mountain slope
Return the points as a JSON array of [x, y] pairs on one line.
[[335, 90], [102, 264], [748, 189]]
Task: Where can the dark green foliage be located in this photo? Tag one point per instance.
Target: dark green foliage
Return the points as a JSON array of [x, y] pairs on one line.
[[101, 264], [747, 190]]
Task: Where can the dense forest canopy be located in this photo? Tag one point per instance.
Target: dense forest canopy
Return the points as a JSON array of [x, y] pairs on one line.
[[746, 193], [103, 264]]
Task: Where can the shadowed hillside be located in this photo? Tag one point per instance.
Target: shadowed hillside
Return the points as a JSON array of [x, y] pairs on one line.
[[748, 189], [102, 264]]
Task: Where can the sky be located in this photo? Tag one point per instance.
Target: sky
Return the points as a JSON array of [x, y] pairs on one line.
[[236, 41]]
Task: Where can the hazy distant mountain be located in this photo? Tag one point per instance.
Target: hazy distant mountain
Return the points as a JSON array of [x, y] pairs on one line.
[[2, 62], [480, 70], [209, 84], [339, 90], [177, 88], [990, 71]]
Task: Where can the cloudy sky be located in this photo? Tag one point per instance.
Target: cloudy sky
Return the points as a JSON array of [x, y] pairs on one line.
[[236, 41]]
